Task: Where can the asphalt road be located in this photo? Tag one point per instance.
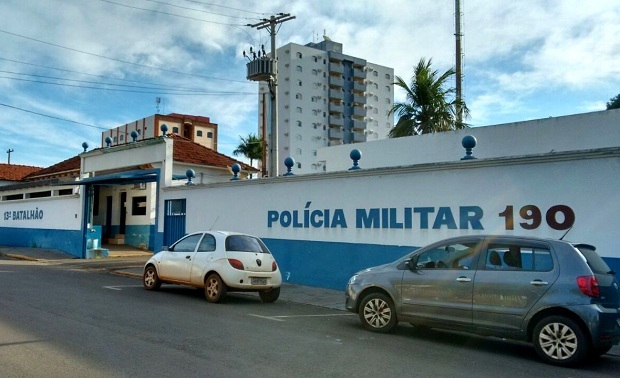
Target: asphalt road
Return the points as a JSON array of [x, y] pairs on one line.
[[78, 320]]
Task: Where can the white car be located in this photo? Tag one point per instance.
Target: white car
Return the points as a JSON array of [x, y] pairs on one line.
[[219, 262]]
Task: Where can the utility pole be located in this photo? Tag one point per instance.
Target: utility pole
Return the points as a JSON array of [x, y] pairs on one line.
[[9, 152], [459, 63], [270, 24]]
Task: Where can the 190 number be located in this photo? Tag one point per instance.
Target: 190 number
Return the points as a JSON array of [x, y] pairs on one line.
[[532, 217]]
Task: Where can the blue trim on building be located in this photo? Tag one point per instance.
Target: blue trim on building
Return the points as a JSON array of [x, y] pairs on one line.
[[137, 235], [328, 264], [70, 241]]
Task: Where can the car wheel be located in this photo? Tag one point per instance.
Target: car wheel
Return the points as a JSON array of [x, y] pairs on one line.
[[560, 341], [269, 296], [150, 279], [215, 288], [377, 313]]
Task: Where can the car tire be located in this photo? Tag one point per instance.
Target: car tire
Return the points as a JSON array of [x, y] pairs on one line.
[[150, 279], [269, 296], [215, 288], [377, 313], [560, 341], [599, 351]]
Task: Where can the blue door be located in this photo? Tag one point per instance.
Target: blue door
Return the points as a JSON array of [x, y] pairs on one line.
[[174, 222]]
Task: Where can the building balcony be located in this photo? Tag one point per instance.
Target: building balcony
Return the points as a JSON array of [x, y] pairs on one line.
[[336, 108], [359, 112], [333, 133], [359, 87], [358, 125], [335, 94], [360, 74], [336, 121], [336, 81], [359, 138], [359, 99], [335, 68]]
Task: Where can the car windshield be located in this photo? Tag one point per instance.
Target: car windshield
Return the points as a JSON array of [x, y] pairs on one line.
[[245, 243], [596, 263]]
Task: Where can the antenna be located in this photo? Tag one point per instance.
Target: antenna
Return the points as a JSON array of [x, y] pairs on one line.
[[567, 231], [157, 102], [9, 152]]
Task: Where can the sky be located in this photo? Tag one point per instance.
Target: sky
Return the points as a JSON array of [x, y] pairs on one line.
[[70, 69]]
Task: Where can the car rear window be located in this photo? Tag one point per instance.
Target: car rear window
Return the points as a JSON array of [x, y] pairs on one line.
[[596, 263], [244, 243]]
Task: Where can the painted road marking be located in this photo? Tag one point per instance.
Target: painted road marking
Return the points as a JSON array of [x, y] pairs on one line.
[[118, 287], [281, 318]]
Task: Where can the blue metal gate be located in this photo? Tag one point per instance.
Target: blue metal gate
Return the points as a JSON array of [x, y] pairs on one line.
[[174, 222]]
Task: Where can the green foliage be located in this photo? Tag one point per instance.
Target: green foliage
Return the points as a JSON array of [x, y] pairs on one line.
[[429, 106], [614, 103], [251, 147]]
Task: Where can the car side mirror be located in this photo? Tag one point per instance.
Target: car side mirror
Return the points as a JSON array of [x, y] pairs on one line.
[[412, 263]]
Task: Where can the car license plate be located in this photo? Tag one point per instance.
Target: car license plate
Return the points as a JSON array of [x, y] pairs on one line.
[[258, 281]]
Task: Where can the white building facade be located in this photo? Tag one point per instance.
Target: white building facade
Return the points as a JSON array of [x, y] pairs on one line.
[[326, 98]]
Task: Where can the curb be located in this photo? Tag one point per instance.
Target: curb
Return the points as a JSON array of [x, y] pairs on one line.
[[126, 274], [19, 257]]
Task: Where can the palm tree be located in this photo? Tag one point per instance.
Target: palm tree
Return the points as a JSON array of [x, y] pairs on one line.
[[428, 108], [251, 147]]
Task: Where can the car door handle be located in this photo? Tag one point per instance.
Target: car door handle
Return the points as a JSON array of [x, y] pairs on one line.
[[188, 257], [463, 279], [539, 283]]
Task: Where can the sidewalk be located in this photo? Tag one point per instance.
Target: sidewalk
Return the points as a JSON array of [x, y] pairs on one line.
[[314, 296]]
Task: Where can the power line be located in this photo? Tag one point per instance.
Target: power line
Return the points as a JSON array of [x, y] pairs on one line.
[[197, 91], [169, 14], [128, 90], [198, 10], [49, 116], [120, 60], [224, 6]]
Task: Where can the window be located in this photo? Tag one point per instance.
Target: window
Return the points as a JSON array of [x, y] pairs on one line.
[[387, 88], [298, 110], [298, 123], [315, 72], [299, 83], [388, 101], [299, 55], [451, 256], [298, 69], [298, 137], [187, 244], [175, 130], [517, 257], [375, 73], [207, 244], [199, 133], [298, 96], [122, 137], [298, 151], [245, 243], [138, 205], [209, 134], [387, 76]]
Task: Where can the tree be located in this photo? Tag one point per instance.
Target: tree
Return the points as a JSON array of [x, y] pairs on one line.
[[251, 147], [614, 103], [428, 107]]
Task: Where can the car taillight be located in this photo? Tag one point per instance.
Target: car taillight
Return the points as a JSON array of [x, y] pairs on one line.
[[274, 266], [589, 286], [236, 264]]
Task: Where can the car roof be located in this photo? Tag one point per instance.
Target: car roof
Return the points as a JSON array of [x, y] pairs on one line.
[[516, 237]]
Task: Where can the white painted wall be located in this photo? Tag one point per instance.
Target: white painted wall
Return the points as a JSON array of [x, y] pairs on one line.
[[542, 136], [54, 213]]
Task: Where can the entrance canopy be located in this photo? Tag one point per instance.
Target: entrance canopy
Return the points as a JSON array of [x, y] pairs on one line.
[[123, 178]]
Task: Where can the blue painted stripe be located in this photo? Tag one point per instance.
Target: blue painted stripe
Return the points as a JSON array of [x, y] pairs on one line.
[[69, 241], [328, 264]]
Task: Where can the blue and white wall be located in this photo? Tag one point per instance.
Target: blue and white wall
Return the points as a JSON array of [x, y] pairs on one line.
[[323, 228], [51, 222]]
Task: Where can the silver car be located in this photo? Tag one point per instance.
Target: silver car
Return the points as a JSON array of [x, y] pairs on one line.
[[560, 296]]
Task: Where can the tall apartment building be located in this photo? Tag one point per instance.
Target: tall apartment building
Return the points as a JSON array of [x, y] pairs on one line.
[[326, 98], [195, 128]]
